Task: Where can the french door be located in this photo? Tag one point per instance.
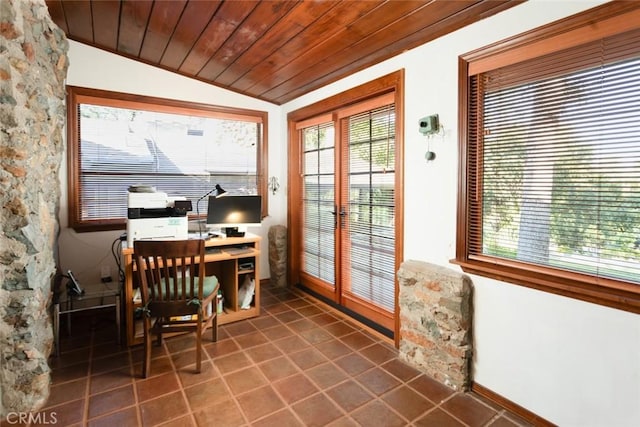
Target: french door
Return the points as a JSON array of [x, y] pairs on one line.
[[346, 211]]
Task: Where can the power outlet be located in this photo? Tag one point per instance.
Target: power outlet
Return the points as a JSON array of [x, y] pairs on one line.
[[105, 273]]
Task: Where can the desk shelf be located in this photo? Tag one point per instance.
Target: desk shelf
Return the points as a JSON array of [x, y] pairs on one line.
[[224, 265]]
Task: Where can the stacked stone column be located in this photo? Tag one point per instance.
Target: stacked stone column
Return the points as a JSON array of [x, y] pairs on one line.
[[278, 255], [33, 67], [435, 322]]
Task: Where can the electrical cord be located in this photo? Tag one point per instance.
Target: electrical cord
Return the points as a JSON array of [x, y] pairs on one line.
[[116, 250]]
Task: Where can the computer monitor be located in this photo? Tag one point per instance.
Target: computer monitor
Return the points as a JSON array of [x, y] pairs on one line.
[[231, 212]]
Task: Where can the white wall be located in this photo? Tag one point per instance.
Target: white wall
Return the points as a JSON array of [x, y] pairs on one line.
[[571, 362], [86, 253]]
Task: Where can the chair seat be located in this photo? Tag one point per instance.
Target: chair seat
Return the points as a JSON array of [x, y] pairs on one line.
[[210, 285]]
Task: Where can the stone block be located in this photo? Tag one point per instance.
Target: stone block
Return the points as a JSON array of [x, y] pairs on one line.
[[435, 322], [278, 255]]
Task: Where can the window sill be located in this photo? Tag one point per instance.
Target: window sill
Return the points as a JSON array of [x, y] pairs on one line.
[[611, 293], [93, 226]]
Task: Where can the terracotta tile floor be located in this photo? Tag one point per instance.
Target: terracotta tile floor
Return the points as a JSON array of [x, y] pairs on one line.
[[300, 363]]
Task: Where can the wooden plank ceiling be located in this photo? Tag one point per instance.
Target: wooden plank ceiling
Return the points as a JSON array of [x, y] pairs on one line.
[[275, 50]]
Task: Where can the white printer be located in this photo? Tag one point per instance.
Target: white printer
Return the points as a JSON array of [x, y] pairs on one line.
[[152, 215]]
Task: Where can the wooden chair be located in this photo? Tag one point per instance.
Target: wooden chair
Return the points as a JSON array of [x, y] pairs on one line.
[[176, 295]]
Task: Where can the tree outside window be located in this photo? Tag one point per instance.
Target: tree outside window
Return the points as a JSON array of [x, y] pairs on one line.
[[550, 160]]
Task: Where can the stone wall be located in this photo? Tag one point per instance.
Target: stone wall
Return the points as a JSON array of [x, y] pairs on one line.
[[435, 322], [278, 255], [33, 67]]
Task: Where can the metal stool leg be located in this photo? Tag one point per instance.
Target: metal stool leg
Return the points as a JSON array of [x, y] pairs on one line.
[[117, 297], [56, 329], [69, 310]]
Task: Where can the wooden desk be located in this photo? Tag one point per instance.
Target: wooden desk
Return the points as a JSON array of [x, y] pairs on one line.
[[224, 265]]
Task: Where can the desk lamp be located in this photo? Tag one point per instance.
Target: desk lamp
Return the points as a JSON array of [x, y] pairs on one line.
[[219, 192]]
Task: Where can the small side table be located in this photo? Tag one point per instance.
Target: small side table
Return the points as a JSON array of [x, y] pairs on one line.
[[68, 303]]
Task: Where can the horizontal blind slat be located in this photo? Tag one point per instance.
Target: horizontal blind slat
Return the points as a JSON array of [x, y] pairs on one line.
[[555, 150]]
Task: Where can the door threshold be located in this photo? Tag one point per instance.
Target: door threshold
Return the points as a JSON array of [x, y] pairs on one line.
[[352, 314]]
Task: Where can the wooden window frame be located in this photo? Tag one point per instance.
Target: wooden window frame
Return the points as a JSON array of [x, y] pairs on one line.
[[79, 95], [596, 23]]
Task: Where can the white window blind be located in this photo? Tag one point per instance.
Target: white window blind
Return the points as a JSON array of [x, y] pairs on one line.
[[554, 160], [181, 155], [318, 201], [370, 217]]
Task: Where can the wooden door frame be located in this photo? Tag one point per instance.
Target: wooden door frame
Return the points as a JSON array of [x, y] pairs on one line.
[[393, 82]]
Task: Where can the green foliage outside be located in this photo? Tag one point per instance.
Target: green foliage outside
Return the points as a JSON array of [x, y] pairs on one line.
[[592, 182]]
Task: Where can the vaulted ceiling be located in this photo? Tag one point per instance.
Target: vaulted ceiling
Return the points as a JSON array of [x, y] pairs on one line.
[[275, 50]]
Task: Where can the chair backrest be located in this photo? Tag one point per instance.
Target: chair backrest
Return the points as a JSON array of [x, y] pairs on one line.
[[171, 275]]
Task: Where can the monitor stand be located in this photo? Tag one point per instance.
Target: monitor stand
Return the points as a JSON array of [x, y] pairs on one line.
[[233, 232]]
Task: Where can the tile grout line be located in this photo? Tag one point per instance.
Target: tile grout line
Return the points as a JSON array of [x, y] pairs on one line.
[[349, 377], [299, 370], [234, 397], [269, 382], [192, 412], [136, 398], [321, 390], [87, 401]]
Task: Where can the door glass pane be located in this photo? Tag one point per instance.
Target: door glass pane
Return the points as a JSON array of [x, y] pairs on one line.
[[318, 203], [371, 206]]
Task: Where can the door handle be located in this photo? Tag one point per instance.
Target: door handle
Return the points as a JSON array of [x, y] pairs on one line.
[[335, 216], [342, 214]]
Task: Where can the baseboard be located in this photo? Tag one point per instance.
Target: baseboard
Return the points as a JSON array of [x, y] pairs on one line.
[[523, 413]]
